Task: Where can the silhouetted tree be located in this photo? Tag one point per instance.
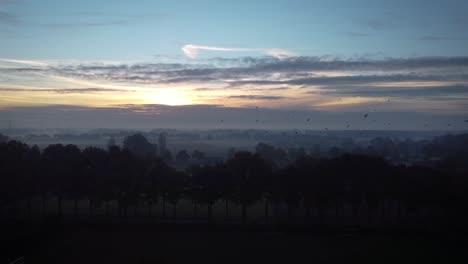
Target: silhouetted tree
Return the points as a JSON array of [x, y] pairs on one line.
[[13, 171], [140, 146], [208, 180], [182, 156], [91, 183], [167, 155], [154, 180], [249, 172], [431, 191], [198, 155], [61, 166], [274, 155], [3, 138]]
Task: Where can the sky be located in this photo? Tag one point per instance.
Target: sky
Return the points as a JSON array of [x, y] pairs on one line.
[[235, 64]]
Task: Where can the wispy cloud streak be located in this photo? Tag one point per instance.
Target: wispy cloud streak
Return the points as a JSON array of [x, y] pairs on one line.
[[192, 51], [26, 62]]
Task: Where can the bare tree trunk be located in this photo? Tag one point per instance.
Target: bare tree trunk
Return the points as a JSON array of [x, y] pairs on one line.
[[90, 207], [75, 207], [266, 212], [337, 209], [398, 211], [389, 209], [320, 214], [174, 211], [43, 205], [244, 213], [59, 205], [383, 209], [290, 213], [107, 207], [227, 207], [307, 214], [123, 207], [210, 212], [150, 203], [194, 209], [164, 205], [29, 206]]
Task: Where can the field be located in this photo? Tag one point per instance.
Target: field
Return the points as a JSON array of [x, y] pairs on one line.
[[117, 244]]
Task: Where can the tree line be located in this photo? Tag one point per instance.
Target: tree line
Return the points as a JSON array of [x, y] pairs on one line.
[[319, 185]]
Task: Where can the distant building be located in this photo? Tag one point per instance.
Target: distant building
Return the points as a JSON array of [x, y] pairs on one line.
[[162, 144], [111, 142]]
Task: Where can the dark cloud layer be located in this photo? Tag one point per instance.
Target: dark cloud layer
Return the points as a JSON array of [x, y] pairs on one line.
[[293, 70], [62, 90], [358, 80], [430, 91]]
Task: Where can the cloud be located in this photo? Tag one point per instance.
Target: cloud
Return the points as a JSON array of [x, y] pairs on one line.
[[22, 69], [279, 53], [86, 24], [353, 80], [272, 71], [259, 72], [192, 51], [301, 80], [377, 24], [8, 18], [93, 19], [256, 97], [442, 38], [63, 90], [358, 34]]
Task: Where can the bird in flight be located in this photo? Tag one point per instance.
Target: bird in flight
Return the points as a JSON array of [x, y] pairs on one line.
[[365, 116]]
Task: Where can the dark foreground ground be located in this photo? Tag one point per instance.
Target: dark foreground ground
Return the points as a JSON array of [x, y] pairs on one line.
[[55, 242]]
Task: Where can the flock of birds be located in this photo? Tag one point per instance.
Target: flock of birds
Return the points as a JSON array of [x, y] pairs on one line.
[[347, 122]]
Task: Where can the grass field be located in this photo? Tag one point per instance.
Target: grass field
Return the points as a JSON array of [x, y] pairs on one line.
[[56, 242], [46, 238]]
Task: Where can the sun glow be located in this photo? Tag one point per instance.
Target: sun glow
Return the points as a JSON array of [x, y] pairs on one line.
[[167, 97]]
